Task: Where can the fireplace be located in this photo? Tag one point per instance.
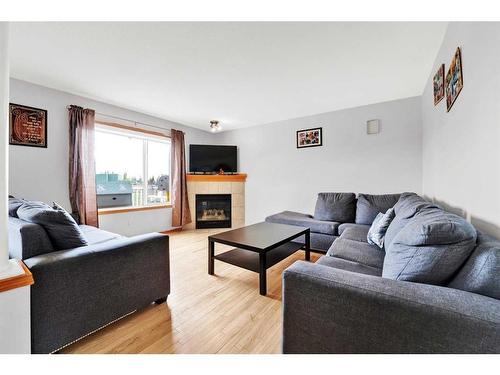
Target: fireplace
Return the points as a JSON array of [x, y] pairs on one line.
[[213, 211]]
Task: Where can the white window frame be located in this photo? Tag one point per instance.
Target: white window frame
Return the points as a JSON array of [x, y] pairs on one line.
[[145, 136]]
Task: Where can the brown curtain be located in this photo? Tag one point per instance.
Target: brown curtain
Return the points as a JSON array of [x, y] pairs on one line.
[[82, 189], [180, 205]]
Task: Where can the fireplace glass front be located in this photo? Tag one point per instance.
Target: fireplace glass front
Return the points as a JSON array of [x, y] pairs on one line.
[[213, 211]]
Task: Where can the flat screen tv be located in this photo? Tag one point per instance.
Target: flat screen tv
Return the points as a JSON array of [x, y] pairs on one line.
[[212, 159]]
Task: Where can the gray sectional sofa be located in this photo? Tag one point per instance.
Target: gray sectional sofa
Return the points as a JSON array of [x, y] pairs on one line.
[[80, 290], [434, 287], [335, 212]]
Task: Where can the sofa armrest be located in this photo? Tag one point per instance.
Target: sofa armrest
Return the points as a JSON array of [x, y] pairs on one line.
[[142, 242], [306, 221], [80, 290], [327, 310]]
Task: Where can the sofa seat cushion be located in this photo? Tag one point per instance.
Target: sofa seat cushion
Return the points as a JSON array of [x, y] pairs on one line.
[[340, 207], [62, 229], [481, 272], [348, 265], [355, 251], [344, 226], [369, 206], [304, 220], [95, 235], [356, 233], [430, 248], [319, 242]]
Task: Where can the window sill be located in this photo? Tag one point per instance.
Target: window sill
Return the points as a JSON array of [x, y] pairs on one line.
[[121, 210]]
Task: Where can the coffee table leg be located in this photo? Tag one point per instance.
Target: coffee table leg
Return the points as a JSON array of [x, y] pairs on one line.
[[262, 274], [211, 253], [308, 246]]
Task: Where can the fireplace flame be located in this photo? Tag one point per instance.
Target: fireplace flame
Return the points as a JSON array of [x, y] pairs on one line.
[[214, 214]]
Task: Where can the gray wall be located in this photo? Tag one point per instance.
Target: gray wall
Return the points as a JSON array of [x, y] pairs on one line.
[[42, 174], [282, 177], [461, 149]]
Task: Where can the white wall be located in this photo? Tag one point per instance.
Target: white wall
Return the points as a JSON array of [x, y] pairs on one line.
[[42, 174], [4, 156], [139, 222], [15, 334], [15, 321], [461, 149], [282, 177]]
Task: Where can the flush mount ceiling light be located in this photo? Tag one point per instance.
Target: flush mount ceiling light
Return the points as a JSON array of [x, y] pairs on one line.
[[214, 126]]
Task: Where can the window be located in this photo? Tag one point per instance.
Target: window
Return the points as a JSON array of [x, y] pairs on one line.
[[132, 168]]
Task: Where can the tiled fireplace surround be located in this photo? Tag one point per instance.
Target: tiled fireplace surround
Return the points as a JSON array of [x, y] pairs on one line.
[[218, 184]]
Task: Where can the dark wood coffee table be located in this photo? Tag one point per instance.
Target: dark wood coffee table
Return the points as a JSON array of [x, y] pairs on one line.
[[258, 247]]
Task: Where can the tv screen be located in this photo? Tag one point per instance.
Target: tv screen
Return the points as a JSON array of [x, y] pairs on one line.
[[211, 159]]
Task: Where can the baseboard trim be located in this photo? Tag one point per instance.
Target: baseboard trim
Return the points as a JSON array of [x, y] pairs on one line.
[[173, 230]]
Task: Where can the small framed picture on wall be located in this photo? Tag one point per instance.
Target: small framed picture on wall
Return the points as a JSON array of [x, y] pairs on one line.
[[27, 126], [310, 137], [454, 79], [439, 85]]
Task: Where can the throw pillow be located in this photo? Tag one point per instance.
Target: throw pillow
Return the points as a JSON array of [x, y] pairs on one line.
[[61, 228], [14, 204], [376, 233], [339, 207]]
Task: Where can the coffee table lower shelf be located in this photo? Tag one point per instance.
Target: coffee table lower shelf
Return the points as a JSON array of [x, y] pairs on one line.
[[250, 259]]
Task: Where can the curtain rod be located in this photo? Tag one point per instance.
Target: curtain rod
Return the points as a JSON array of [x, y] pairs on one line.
[[125, 119]]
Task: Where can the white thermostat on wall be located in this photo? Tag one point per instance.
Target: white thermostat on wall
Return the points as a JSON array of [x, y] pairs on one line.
[[372, 127]]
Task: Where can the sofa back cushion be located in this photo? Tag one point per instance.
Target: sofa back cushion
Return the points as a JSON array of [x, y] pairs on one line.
[[339, 207], [27, 240], [481, 272], [405, 208], [430, 248], [369, 206], [61, 228], [409, 204]]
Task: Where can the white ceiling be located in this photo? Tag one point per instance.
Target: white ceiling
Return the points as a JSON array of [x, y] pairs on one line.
[[242, 74]]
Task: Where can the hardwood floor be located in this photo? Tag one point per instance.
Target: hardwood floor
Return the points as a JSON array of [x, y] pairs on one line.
[[204, 314]]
